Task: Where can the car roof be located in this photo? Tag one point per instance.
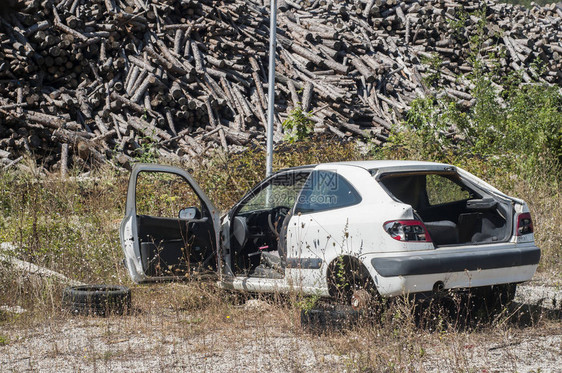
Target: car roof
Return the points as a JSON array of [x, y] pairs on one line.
[[380, 164], [371, 165], [308, 167]]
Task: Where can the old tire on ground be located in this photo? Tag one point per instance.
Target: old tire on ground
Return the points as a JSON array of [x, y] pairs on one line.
[[98, 300]]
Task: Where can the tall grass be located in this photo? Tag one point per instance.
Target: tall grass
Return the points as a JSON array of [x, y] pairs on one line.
[[71, 226]]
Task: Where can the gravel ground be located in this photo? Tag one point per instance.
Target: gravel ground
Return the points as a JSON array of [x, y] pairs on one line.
[[255, 339], [83, 345], [112, 345]]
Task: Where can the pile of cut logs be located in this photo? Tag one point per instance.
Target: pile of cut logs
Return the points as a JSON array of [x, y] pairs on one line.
[[86, 81]]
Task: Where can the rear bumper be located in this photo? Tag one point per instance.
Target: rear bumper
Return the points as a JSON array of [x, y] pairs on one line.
[[438, 261], [414, 272]]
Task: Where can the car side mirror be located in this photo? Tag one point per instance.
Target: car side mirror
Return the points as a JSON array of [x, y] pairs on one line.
[[189, 213]]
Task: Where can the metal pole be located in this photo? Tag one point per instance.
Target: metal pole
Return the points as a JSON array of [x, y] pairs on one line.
[[271, 90]]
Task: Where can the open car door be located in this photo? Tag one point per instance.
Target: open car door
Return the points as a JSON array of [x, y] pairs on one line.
[[170, 229]]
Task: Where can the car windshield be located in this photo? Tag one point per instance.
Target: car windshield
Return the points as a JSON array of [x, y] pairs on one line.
[[282, 190]]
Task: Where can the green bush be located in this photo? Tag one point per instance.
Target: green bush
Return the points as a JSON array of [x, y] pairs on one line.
[[509, 124], [298, 125]]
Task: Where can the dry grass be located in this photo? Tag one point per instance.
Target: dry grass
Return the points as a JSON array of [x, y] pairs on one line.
[[546, 209], [71, 226], [197, 327]]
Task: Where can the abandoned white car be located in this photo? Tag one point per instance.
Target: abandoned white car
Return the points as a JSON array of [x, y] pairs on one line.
[[349, 229]]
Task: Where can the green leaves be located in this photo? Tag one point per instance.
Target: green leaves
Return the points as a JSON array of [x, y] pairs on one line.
[[298, 125], [508, 124]]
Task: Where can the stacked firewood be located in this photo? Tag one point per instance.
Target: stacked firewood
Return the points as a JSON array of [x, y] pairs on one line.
[[86, 81]]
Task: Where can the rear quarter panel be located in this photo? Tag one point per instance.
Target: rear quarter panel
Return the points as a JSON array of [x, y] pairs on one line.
[[353, 230]]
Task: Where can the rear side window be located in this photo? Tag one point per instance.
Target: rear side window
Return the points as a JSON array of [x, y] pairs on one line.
[[326, 190]]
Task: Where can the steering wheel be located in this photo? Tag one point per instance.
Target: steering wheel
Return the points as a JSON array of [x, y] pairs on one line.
[[275, 216]]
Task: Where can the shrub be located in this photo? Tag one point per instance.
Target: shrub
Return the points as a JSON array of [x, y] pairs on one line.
[[298, 125]]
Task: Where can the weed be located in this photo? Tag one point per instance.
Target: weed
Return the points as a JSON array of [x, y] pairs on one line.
[[434, 63], [307, 303], [71, 226], [298, 125], [458, 25], [147, 152], [340, 273]]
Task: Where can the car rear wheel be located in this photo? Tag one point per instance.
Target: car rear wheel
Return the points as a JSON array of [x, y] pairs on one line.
[[351, 284], [494, 298]]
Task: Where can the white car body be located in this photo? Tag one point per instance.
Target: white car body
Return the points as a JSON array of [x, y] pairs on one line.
[[349, 214]]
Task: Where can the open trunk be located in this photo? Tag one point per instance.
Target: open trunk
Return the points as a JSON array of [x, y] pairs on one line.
[[454, 210]]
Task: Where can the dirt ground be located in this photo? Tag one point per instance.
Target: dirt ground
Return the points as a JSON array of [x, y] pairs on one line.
[[257, 336]]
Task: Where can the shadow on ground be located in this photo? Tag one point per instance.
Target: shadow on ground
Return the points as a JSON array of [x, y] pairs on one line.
[[434, 314]]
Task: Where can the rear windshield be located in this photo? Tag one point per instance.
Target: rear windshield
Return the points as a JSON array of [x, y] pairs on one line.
[[427, 189]]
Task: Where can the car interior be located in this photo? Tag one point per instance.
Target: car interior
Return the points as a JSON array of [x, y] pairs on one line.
[[453, 212], [175, 247], [259, 224]]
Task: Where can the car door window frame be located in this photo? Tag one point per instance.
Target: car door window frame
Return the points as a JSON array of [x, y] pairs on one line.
[[132, 251], [202, 206]]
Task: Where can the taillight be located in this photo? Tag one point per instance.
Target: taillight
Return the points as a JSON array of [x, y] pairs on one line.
[[407, 230], [524, 224]]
